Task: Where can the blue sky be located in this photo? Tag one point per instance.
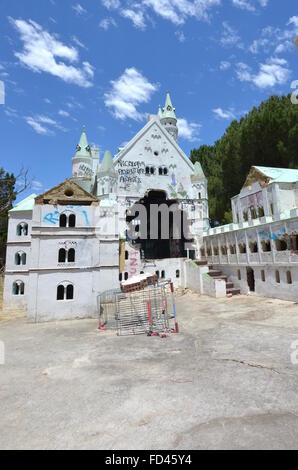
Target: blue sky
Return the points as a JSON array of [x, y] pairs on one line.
[[108, 63]]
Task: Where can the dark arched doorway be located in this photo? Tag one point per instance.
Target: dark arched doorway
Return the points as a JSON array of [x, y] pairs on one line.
[[251, 279], [166, 221]]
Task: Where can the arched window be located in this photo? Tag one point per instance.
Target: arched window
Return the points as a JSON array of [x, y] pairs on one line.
[[245, 216], [18, 288], [165, 171], [71, 255], [147, 170], [65, 291], [20, 258], [242, 248], [62, 255], [120, 277], [17, 259], [266, 246], [281, 245], [72, 220], [233, 249], [125, 276], [263, 275], [253, 246], [261, 211], [152, 170], [69, 292], [22, 229], [157, 274], [160, 171], [277, 277], [177, 273], [62, 220], [289, 277], [126, 254], [60, 292], [163, 274]]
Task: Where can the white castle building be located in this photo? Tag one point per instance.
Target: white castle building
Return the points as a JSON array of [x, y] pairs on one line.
[[86, 235]]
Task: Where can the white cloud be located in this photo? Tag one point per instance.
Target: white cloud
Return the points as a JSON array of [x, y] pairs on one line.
[[188, 130], [244, 5], [274, 72], [63, 113], [276, 40], [36, 185], [127, 93], [180, 36], [106, 23], [176, 11], [224, 65], [43, 52], [136, 16], [2, 92], [249, 5], [230, 37], [79, 9], [43, 124], [39, 128], [111, 4], [79, 43], [224, 114]]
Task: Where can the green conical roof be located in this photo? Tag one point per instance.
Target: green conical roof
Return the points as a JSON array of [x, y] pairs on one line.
[[198, 170], [107, 162], [169, 110], [83, 146]]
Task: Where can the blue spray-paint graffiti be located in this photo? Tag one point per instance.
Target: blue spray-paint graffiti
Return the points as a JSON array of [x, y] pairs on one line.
[[54, 217], [272, 236]]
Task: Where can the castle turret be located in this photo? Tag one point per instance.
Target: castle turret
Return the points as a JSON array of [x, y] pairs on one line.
[[106, 176], [82, 164], [168, 118]]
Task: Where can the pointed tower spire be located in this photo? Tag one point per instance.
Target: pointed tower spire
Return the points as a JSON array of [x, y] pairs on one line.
[[169, 110], [83, 146], [169, 119]]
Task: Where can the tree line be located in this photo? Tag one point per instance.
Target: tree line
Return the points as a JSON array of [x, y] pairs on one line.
[[266, 136]]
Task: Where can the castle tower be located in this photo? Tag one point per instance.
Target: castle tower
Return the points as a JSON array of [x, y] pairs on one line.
[[106, 176], [168, 118], [82, 164], [200, 196]]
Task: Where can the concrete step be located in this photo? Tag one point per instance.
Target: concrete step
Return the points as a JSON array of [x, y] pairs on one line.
[[220, 278], [201, 262], [234, 291], [214, 273]]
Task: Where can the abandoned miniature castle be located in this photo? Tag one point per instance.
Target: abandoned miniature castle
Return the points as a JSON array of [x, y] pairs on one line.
[[107, 223]]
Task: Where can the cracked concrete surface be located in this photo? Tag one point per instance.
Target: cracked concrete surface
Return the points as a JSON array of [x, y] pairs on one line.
[[225, 382]]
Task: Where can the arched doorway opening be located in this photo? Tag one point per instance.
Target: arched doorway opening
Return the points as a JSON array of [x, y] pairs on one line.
[[164, 233], [251, 279]]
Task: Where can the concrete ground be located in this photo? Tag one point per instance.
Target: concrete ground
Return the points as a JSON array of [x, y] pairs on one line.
[[225, 382]]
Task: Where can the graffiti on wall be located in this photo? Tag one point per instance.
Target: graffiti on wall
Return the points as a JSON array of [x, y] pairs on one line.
[[53, 217]]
